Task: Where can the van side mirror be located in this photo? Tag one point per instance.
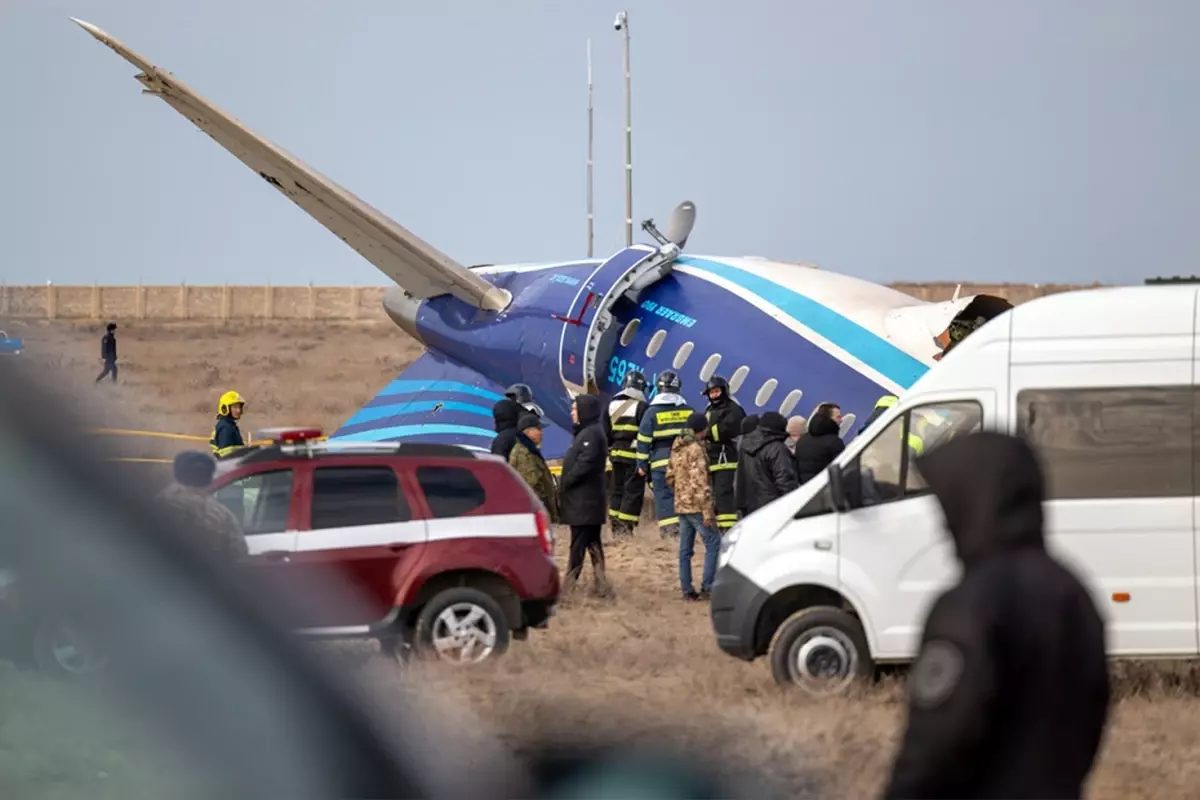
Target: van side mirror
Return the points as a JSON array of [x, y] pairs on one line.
[[837, 489]]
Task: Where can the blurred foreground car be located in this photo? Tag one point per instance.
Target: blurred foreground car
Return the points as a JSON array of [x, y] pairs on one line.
[[206, 695], [442, 550]]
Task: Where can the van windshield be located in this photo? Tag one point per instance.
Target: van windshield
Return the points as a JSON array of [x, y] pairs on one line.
[[886, 467]]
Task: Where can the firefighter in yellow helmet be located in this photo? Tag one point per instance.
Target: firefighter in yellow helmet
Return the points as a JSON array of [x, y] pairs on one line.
[[226, 436], [881, 405]]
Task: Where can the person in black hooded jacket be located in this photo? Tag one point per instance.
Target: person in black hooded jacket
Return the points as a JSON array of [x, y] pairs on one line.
[[817, 448], [770, 473], [1010, 692], [749, 423], [506, 413], [582, 495]]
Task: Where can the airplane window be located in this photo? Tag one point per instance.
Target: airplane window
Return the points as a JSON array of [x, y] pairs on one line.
[[630, 331], [681, 357], [656, 343], [739, 376], [710, 366], [765, 392], [789, 402]]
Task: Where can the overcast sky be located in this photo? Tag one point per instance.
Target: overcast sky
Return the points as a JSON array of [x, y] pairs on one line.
[[1028, 140]]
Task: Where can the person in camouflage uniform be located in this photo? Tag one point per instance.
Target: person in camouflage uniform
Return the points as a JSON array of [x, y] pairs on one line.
[[526, 458], [687, 475], [189, 501]]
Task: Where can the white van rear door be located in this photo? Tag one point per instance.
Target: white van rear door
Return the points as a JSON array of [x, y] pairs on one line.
[[895, 554]]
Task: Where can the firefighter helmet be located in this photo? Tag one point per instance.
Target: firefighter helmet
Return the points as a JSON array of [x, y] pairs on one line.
[[634, 380], [668, 381], [229, 399], [716, 382]]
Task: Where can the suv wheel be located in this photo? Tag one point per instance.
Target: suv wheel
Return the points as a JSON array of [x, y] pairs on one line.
[[822, 650], [462, 626]]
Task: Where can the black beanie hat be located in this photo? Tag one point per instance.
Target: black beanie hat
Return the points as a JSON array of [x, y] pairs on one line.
[[528, 421], [773, 421], [697, 421], [749, 423]]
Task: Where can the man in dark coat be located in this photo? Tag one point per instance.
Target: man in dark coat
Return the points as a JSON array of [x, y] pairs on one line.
[[749, 423], [108, 352], [771, 472], [1010, 692], [506, 413], [582, 499], [817, 449]]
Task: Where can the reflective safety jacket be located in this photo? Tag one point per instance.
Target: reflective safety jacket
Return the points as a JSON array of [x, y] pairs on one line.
[[725, 426], [226, 437], [663, 421], [625, 414]]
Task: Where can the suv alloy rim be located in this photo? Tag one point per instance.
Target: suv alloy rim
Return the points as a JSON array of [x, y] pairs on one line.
[[464, 633]]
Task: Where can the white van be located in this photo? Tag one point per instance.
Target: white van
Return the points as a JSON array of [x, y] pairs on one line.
[[835, 578]]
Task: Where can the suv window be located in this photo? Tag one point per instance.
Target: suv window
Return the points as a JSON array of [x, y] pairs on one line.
[[260, 501], [886, 465], [1113, 443], [349, 496], [450, 491]]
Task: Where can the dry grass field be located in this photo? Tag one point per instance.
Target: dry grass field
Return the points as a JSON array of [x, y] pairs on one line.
[[640, 667]]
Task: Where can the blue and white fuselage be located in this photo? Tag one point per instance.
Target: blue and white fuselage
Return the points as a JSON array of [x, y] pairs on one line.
[[786, 336]]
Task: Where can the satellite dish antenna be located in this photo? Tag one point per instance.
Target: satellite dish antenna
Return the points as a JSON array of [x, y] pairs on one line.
[[679, 227]]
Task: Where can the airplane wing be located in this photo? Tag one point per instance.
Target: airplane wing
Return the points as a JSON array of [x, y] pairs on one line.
[[437, 400], [414, 265]]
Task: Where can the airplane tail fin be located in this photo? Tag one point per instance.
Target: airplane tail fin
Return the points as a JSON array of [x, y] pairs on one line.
[[438, 401]]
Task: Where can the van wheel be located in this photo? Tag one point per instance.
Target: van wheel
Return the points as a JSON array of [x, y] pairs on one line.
[[822, 650], [462, 626]]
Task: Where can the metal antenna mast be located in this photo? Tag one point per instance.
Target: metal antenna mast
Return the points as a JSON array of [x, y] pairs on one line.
[[622, 24], [590, 114]]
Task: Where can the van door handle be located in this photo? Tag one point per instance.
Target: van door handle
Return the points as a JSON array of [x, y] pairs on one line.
[[823, 544], [277, 555]]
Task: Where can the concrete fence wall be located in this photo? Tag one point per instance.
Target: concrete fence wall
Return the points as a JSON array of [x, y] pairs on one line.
[[307, 302]]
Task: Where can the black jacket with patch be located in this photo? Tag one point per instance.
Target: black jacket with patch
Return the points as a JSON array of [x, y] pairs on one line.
[[582, 496], [1010, 693]]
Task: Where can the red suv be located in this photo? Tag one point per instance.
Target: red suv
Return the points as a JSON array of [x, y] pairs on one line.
[[443, 550]]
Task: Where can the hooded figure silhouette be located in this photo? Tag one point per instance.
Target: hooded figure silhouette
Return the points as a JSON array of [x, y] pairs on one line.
[[1010, 692]]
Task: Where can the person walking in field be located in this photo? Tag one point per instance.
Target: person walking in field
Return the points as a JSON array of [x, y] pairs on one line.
[[527, 459], [687, 475], [108, 353]]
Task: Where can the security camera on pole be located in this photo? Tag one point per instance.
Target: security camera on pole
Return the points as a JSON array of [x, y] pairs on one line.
[[621, 23]]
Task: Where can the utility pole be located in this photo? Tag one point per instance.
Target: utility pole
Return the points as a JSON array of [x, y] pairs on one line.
[[622, 24], [590, 217]]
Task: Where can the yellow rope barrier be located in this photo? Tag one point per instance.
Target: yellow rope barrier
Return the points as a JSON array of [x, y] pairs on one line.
[[124, 432]]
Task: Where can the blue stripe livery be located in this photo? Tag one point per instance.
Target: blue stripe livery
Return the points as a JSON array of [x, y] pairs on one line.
[[447, 394]]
